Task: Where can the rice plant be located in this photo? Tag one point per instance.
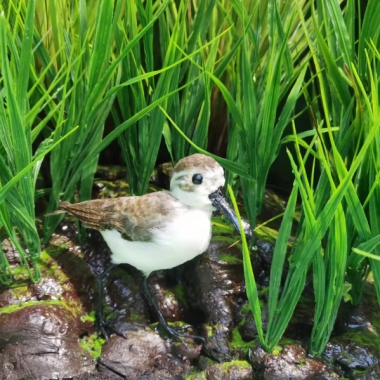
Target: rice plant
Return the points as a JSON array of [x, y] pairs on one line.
[[140, 144], [189, 37], [267, 69], [339, 209], [19, 127]]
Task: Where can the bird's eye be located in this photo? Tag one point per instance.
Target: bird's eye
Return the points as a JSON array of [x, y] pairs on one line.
[[197, 179]]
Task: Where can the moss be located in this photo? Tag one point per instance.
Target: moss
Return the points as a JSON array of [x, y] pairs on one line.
[[241, 364], [225, 239], [179, 293], [246, 308], [50, 266], [18, 290], [90, 317], [93, 344], [362, 338], [221, 226], [196, 376], [209, 331], [176, 324], [263, 291], [135, 317], [12, 308], [211, 328], [225, 367], [153, 325], [153, 189], [277, 350], [287, 341], [302, 362], [50, 253], [205, 361], [231, 259], [237, 342], [19, 270]]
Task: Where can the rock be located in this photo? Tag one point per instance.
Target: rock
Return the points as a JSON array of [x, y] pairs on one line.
[[190, 353], [355, 362], [143, 353], [167, 301], [355, 345], [291, 363], [197, 376], [214, 282], [266, 252], [235, 370], [211, 285], [41, 342], [245, 321], [216, 342], [124, 297]]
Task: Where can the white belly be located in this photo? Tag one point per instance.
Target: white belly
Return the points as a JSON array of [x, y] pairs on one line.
[[187, 236]]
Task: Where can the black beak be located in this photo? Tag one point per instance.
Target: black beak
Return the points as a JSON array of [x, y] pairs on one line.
[[218, 201]]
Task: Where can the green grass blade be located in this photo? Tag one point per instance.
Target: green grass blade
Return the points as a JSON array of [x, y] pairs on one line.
[[249, 277], [279, 256], [8, 186]]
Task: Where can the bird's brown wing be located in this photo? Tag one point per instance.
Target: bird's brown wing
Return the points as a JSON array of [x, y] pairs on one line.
[[133, 217]]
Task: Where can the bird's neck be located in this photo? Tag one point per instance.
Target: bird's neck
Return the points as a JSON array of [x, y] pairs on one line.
[[193, 200]]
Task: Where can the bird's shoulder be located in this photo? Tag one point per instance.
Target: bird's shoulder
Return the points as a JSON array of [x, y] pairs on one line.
[[137, 217]]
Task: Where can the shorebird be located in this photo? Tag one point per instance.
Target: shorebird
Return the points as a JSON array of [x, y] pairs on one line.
[[160, 230]]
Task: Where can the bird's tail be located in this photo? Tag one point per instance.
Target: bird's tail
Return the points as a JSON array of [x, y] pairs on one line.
[[62, 205]]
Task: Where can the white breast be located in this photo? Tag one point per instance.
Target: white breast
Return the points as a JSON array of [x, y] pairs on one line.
[[185, 237]]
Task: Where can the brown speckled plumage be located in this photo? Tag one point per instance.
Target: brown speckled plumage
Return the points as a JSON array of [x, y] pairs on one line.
[[131, 216]]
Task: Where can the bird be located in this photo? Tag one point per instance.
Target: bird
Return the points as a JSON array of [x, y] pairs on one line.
[[159, 230]]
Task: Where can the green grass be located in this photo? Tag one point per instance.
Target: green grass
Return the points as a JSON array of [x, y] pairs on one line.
[[339, 208], [18, 117]]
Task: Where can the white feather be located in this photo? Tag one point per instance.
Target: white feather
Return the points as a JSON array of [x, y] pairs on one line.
[[186, 236]]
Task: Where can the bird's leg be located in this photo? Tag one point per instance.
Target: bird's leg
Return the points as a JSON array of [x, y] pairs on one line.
[[101, 321], [170, 330]]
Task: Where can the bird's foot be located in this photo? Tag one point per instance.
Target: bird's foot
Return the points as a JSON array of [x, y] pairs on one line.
[[176, 333], [104, 325]]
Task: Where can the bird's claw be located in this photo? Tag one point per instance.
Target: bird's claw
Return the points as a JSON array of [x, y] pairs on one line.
[[173, 332], [104, 325]]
